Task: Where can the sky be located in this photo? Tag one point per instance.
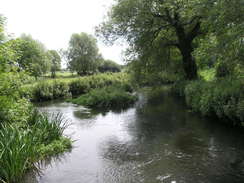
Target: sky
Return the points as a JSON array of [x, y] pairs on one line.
[[54, 21]]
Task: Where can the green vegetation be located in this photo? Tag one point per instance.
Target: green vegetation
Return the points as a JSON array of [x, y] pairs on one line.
[[22, 144], [223, 98], [82, 54], [177, 36], [115, 96], [17, 153], [109, 66], [196, 44], [26, 135], [64, 88]]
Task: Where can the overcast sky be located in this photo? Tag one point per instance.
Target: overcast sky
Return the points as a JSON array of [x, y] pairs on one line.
[[53, 21]]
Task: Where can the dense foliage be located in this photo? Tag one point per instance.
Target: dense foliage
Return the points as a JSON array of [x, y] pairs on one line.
[[223, 98], [24, 132], [178, 36], [83, 54], [170, 41], [111, 97], [26, 135], [33, 56], [108, 66], [65, 88]]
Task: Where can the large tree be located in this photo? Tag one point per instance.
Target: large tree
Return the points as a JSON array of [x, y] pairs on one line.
[[83, 54], [168, 23], [33, 58]]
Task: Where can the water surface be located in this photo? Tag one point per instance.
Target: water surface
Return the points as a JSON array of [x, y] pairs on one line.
[[157, 140]]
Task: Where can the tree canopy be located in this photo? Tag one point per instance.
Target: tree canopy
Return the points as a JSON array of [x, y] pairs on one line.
[[166, 25], [33, 56], [109, 66], [83, 54]]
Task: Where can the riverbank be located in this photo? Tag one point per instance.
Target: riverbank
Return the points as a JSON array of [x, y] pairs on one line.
[[63, 88], [223, 97]]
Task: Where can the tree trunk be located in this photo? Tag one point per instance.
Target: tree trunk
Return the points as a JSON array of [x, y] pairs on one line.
[[186, 49], [189, 62]]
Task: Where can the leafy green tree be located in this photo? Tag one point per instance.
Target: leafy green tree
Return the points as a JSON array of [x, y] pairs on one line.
[[55, 62], [83, 54], [228, 28], [165, 23], [34, 58], [109, 66]]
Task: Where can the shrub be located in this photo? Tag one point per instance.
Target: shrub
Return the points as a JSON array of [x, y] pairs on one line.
[[55, 147], [223, 98], [49, 90], [79, 87], [63, 88], [107, 97], [14, 110]]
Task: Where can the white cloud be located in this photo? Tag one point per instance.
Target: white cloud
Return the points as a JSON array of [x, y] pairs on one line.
[[53, 21]]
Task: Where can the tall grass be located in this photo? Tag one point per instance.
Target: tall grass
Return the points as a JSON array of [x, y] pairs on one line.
[[22, 146], [18, 153], [47, 129]]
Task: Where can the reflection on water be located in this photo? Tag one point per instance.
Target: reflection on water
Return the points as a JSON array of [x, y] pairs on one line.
[[156, 141]]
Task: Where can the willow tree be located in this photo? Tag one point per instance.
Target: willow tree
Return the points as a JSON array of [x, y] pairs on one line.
[[83, 54], [172, 23]]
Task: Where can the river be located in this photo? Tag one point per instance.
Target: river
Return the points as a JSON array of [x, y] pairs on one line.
[[157, 141]]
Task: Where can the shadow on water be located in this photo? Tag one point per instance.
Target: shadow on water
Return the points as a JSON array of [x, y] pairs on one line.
[[158, 140]]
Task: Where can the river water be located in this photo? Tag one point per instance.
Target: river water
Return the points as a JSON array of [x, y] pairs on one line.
[[156, 141]]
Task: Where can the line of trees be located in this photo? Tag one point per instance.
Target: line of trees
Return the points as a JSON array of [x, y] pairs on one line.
[[31, 56]]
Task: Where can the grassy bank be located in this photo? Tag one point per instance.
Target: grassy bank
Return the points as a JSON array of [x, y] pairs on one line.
[[50, 89], [26, 135], [223, 98], [115, 96]]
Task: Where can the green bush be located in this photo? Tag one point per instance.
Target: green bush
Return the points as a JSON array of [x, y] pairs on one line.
[[79, 87], [224, 98], [64, 88], [46, 90], [55, 147], [14, 111], [108, 97]]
